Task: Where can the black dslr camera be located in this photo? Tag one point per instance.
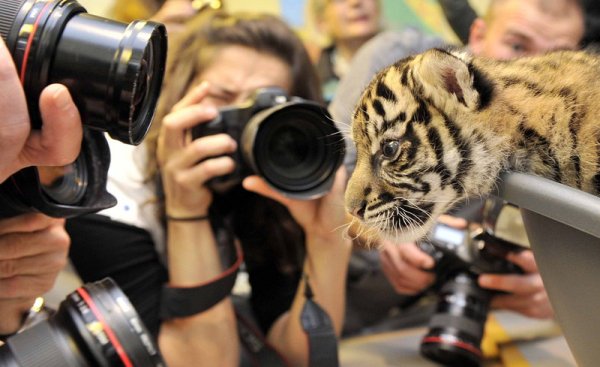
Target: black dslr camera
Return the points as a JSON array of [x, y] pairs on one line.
[[457, 326], [291, 142], [114, 73]]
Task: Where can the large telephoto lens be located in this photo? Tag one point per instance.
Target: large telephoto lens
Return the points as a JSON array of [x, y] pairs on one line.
[[113, 70], [295, 147], [96, 325], [456, 328]]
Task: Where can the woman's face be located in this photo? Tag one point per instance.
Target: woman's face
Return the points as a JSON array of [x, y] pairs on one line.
[[351, 19], [237, 71]]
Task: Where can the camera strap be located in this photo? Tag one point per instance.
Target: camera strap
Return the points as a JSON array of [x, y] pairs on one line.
[[260, 352], [322, 341], [178, 302]]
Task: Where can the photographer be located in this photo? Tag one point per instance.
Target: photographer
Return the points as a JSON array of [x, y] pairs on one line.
[[220, 60], [33, 247]]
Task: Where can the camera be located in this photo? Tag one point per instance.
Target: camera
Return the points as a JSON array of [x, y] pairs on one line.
[[457, 325], [95, 325], [289, 141], [114, 73]]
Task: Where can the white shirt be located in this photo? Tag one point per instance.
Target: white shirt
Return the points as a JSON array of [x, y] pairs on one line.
[[136, 198]]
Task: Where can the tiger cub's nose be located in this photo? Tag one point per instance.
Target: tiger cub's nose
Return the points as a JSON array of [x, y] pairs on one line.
[[359, 210]]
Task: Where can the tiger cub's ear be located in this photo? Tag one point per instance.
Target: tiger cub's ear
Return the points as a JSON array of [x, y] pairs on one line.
[[447, 78]]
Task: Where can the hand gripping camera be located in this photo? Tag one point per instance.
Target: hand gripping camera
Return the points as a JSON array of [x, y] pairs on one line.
[[457, 326], [114, 73], [291, 142]]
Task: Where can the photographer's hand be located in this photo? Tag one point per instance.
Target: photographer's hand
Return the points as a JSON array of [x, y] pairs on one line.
[[33, 249], [59, 140], [406, 267], [527, 294], [320, 217], [187, 165]]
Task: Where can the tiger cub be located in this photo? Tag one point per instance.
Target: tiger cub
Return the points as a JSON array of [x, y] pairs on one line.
[[438, 127]]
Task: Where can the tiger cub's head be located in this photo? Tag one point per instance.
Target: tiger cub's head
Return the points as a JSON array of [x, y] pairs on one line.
[[415, 157]]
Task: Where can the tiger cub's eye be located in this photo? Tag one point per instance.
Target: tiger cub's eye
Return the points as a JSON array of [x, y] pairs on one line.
[[390, 148]]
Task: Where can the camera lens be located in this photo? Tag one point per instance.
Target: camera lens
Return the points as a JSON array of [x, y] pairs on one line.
[[290, 147], [96, 325], [143, 82], [138, 80], [66, 191], [456, 328], [113, 70], [296, 148], [65, 184]]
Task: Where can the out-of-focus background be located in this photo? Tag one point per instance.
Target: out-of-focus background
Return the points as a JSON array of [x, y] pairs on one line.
[[425, 14]]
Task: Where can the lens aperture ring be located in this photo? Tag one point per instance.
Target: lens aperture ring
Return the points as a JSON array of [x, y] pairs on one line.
[[445, 339], [464, 324], [97, 325]]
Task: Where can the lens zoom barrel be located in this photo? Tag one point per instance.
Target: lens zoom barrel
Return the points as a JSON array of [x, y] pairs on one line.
[[113, 70]]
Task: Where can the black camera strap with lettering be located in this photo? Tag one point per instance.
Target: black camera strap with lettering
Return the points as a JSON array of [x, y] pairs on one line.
[[322, 341], [259, 351], [188, 301]]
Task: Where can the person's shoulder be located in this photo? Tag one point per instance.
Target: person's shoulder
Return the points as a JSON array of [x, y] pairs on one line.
[[399, 43]]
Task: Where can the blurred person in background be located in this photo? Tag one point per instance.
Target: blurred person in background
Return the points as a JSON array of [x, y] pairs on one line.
[[347, 25], [172, 13]]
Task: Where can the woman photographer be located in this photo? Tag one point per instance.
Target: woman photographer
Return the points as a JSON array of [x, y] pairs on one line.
[[220, 60]]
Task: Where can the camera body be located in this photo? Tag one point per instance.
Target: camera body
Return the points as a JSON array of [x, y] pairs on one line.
[[457, 326], [476, 252], [289, 141]]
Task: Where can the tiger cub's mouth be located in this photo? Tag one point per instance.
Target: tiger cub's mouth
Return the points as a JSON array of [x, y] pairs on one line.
[[403, 221]]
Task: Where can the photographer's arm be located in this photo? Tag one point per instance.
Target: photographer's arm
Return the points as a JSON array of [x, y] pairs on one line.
[[326, 263], [59, 140], [211, 336], [33, 250]]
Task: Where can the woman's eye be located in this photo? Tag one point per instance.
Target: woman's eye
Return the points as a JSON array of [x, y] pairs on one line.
[[390, 148], [219, 100]]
